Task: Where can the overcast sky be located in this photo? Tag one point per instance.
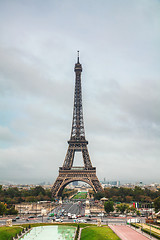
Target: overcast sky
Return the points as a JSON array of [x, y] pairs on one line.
[[119, 43]]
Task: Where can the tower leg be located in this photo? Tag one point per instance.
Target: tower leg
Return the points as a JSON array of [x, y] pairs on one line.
[[56, 187]]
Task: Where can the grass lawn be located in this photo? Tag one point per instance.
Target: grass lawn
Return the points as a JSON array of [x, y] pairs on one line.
[[80, 195], [6, 233], [81, 225], [98, 233]]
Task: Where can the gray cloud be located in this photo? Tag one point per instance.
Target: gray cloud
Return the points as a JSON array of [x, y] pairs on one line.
[[119, 50]]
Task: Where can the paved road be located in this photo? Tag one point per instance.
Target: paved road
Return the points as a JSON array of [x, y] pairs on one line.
[[126, 233], [108, 221], [61, 211], [74, 208]]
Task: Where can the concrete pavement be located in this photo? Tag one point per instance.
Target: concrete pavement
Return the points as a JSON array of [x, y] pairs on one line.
[[126, 233]]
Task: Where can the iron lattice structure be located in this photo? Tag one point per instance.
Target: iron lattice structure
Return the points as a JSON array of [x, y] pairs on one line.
[[77, 142]]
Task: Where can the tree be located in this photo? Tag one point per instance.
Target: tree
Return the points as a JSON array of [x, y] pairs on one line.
[[98, 195], [129, 199], [12, 211], [38, 190], [13, 192], [108, 206], [138, 213], [157, 204], [2, 208], [133, 209], [138, 194], [30, 199], [122, 207]]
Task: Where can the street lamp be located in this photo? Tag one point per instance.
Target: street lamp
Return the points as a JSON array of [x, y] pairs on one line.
[[150, 231], [150, 220], [20, 209]]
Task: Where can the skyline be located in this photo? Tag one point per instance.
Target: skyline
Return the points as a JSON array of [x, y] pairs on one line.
[[119, 44]]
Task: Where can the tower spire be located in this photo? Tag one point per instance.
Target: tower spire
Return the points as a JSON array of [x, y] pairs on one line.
[[77, 56], [77, 131]]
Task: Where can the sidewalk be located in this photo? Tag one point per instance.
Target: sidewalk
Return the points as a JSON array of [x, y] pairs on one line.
[[125, 232], [143, 233]]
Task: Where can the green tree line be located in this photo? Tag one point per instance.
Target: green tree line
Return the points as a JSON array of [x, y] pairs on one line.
[[128, 195], [13, 195]]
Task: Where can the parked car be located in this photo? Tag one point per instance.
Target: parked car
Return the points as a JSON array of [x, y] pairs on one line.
[[76, 220], [116, 215], [82, 221], [100, 214], [51, 215], [59, 220], [88, 219]]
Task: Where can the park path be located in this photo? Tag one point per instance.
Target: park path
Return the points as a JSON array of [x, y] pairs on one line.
[[127, 233]]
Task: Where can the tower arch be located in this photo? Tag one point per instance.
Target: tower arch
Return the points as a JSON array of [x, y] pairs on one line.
[[68, 181]]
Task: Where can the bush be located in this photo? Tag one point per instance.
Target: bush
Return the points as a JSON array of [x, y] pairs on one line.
[[152, 233], [16, 236], [134, 225], [11, 211], [77, 232]]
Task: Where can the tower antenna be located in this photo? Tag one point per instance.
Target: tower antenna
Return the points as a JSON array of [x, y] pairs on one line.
[[77, 56]]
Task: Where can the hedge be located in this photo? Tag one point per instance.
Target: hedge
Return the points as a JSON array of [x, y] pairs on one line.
[[152, 233]]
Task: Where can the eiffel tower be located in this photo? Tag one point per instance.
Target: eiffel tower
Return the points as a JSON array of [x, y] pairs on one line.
[[77, 143]]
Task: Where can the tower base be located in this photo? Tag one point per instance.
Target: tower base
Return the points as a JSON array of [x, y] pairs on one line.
[[75, 174]]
